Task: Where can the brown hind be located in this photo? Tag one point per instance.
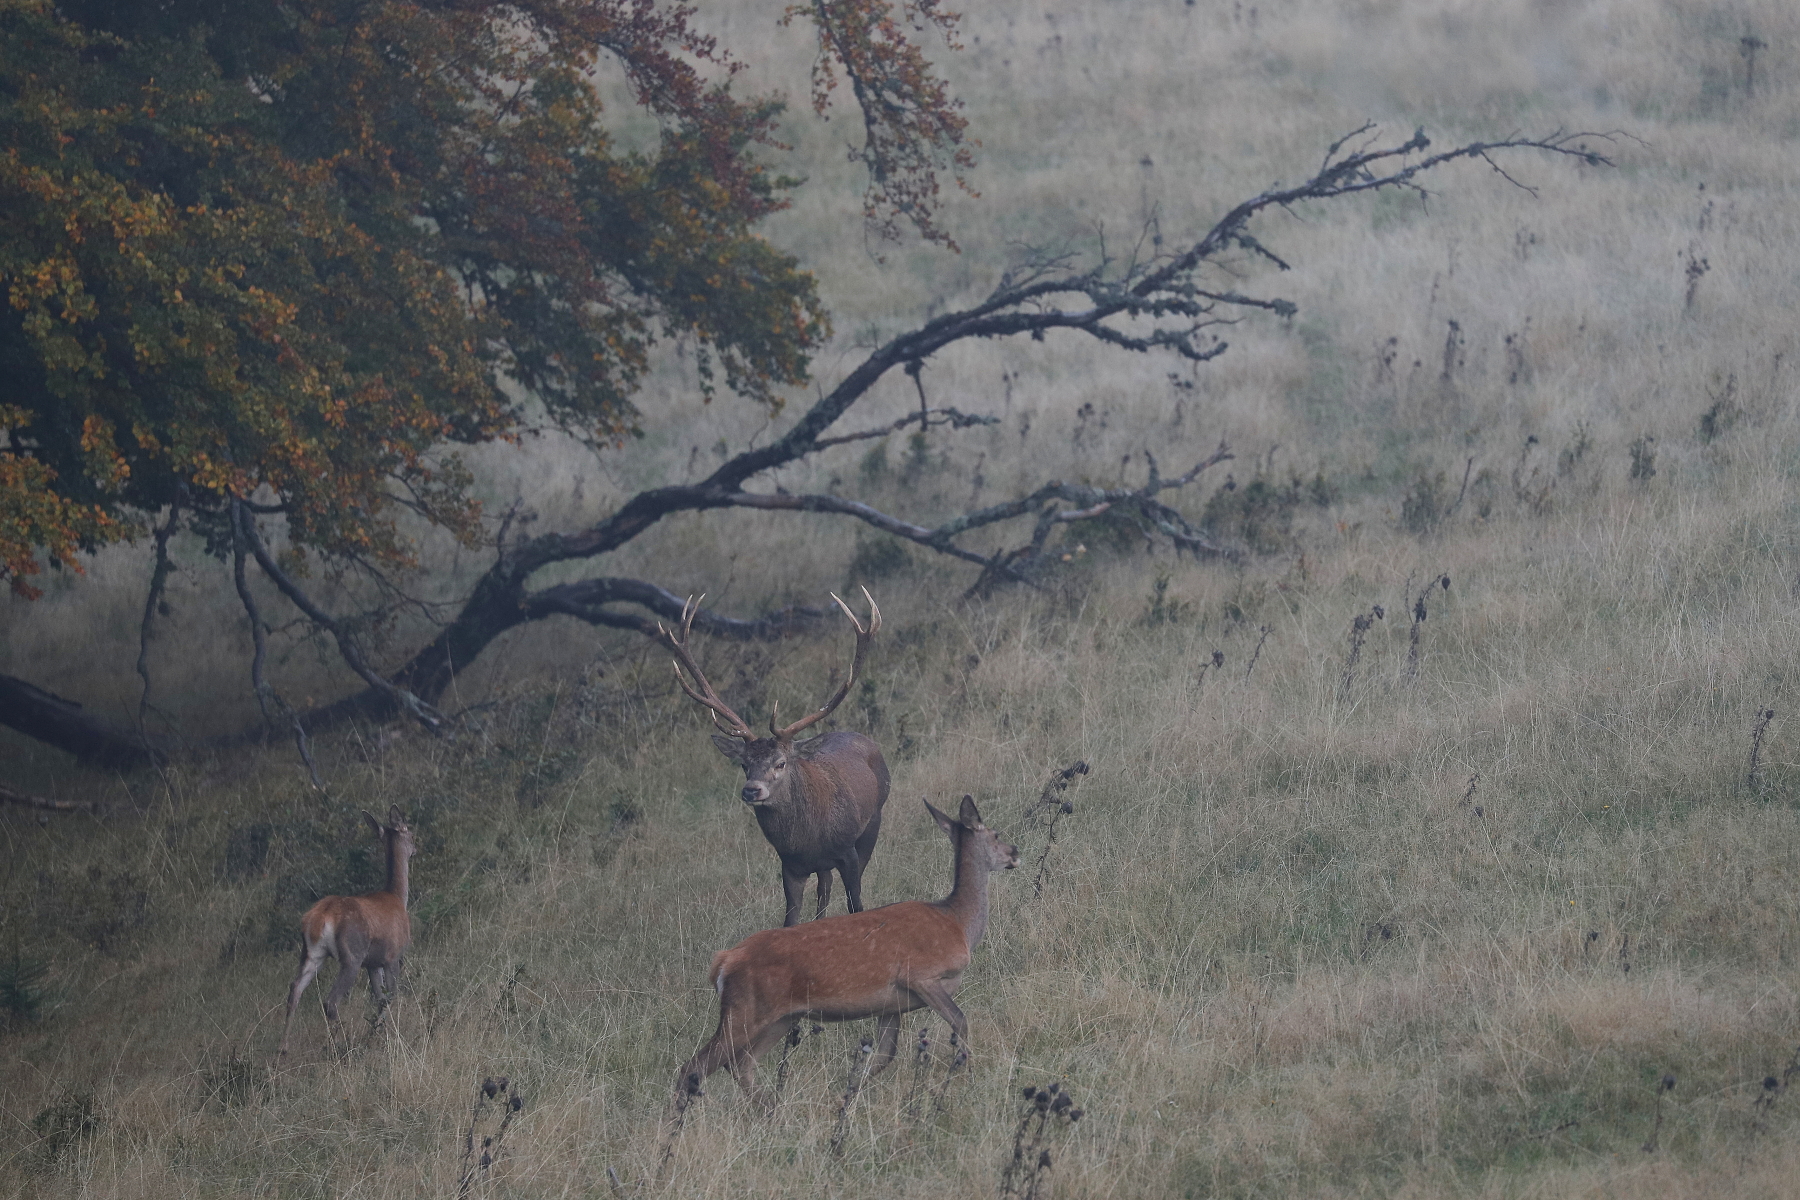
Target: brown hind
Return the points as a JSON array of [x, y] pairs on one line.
[[371, 931], [880, 963]]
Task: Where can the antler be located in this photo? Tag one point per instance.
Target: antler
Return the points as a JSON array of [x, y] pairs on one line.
[[863, 638], [737, 727]]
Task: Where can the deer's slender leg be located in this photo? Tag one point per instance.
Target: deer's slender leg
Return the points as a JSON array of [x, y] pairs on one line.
[[351, 951], [824, 892], [934, 993], [743, 1068], [887, 1041], [851, 868], [311, 959], [794, 888], [865, 842]]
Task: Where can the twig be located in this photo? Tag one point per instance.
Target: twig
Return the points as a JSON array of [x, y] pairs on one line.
[[159, 577], [859, 1069], [1052, 801], [265, 692], [352, 654], [1257, 653], [1763, 717], [1359, 629], [490, 1089], [1663, 1087]]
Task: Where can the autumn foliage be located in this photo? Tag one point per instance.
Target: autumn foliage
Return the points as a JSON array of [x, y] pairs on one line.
[[299, 253]]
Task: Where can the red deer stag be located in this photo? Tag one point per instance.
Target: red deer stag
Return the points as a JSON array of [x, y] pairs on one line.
[[881, 963], [818, 801], [370, 931]]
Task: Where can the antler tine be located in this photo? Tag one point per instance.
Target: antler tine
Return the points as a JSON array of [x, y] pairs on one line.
[[864, 635], [732, 725], [874, 613]]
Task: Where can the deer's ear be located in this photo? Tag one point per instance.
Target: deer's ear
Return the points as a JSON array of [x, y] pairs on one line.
[[396, 818], [944, 822], [374, 823], [969, 815], [809, 747], [730, 747]]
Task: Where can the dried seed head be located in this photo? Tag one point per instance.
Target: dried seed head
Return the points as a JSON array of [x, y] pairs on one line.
[[1075, 1114], [487, 1141], [1043, 1101], [1770, 1083], [1062, 1103], [1055, 1088], [1218, 658], [1030, 1093], [1043, 1160], [489, 1086], [487, 1160], [518, 1102], [1068, 806], [503, 1082], [1379, 612], [1668, 1082]]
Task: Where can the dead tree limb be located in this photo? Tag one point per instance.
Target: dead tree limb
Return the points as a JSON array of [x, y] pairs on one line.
[[63, 723], [10, 795], [1167, 302], [241, 532]]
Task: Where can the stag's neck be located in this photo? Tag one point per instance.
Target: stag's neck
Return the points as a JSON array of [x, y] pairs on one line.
[[968, 898], [396, 870]]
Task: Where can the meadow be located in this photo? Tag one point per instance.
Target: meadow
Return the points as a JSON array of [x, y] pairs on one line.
[[1492, 894]]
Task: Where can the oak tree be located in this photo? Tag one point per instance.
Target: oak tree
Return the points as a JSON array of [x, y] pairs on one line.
[[279, 263]]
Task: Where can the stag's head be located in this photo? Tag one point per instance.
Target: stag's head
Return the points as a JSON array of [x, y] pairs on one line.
[[767, 761], [991, 854]]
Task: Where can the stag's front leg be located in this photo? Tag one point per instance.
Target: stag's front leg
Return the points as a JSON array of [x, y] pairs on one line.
[[851, 868], [824, 892], [794, 888]]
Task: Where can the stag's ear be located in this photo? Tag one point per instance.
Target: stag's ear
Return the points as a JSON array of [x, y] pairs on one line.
[[730, 747], [809, 747], [944, 822], [374, 823], [396, 818]]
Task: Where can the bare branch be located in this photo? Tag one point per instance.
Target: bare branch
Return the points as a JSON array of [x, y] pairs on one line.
[[159, 577], [347, 647], [954, 418], [1045, 294], [241, 531]]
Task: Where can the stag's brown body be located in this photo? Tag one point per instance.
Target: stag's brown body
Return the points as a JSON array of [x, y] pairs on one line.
[[881, 963], [818, 802], [371, 931]]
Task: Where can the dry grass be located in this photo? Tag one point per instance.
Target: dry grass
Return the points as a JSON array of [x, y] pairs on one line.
[[1283, 948]]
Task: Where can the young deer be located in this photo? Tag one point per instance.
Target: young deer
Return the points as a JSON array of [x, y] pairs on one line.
[[370, 931], [818, 801], [881, 963]]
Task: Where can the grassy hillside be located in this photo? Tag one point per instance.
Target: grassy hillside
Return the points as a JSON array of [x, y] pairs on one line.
[[1435, 916]]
